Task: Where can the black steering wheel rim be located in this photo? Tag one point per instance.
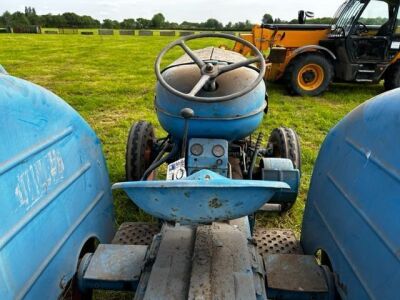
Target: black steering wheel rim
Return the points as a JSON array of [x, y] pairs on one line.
[[361, 28], [259, 57]]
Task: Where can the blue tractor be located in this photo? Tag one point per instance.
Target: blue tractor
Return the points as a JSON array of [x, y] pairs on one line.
[[210, 101], [205, 245]]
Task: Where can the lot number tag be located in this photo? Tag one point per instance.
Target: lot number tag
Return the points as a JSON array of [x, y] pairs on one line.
[[176, 170]]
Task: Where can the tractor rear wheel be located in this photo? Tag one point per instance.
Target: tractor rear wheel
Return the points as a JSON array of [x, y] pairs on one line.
[[285, 144], [392, 77], [309, 74], [139, 150]]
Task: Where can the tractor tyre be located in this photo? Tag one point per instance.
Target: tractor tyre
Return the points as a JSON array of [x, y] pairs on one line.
[[309, 75], [392, 77], [285, 144], [139, 150]]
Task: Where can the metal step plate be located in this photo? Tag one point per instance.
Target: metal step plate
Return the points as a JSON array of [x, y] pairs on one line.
[[115, 267], [299, 274], [136, 233], [276, 241]]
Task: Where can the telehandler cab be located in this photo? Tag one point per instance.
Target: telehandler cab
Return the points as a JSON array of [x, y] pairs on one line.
[[361, 45]]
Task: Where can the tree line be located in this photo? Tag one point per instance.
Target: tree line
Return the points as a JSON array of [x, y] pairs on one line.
[[268, 19], [158, 21], [73, 20]]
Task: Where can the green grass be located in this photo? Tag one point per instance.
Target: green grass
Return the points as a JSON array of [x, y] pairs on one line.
[[110, 81]]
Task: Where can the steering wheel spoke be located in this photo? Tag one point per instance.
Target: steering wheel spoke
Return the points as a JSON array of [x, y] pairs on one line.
[[192, 55], [238, 65], [199, 85]]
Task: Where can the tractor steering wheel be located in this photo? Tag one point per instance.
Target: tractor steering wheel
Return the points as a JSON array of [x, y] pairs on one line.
[[210, 72], [361, 28]]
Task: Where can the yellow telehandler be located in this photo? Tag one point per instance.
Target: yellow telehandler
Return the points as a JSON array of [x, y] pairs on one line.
[[361, 45]]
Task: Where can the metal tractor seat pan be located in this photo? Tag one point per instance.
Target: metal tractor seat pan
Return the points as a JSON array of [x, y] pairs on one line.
[[201, 198]]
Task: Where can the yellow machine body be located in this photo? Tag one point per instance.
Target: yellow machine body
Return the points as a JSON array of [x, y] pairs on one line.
[[285, 40]]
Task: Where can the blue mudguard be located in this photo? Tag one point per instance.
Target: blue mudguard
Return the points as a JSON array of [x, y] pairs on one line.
[[54, 191], [353, 205]]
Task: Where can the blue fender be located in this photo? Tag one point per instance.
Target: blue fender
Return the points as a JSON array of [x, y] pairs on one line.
[[353, 206], [55, 191]]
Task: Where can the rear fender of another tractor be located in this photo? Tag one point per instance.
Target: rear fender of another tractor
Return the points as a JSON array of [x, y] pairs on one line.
[[55, 192], [352, 213]]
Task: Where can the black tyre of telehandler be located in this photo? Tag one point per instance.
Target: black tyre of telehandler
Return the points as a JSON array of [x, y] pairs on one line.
[[139, 150], [309, 74], [392, 77]]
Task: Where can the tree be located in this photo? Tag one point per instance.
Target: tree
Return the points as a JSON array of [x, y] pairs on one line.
[[19, 19], [267, 19], [33, 18], [143, 23], [107, 23], [158, 21], [71, 19], [171, 25], [50, 20], [213, 24], [6, 19], [88, 22], [128, 24], [248, 25], [189, 25], [115, 24]]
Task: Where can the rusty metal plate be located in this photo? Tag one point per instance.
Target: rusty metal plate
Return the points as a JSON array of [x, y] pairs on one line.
[[295, 273], [115, 267], [276, 241], [136, 233]]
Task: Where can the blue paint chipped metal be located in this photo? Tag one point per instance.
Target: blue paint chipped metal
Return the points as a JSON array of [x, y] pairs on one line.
[[202, 197], [55, 193]]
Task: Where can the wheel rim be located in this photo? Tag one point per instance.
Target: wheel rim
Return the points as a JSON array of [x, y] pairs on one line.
[[310, 77]]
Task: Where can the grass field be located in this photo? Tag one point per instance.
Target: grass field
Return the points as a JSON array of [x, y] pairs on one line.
[[110, 81]]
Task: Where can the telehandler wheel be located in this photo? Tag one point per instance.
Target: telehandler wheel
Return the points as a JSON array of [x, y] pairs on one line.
[[285, 144], [392, 77], [139, 150], [309, 74]]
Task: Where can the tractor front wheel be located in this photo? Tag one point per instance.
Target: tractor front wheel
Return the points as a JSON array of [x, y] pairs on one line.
[[139, 150], [285, 144], [309, 74]]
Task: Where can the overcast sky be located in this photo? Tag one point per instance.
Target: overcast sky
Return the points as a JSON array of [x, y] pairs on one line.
[[179, 10]]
